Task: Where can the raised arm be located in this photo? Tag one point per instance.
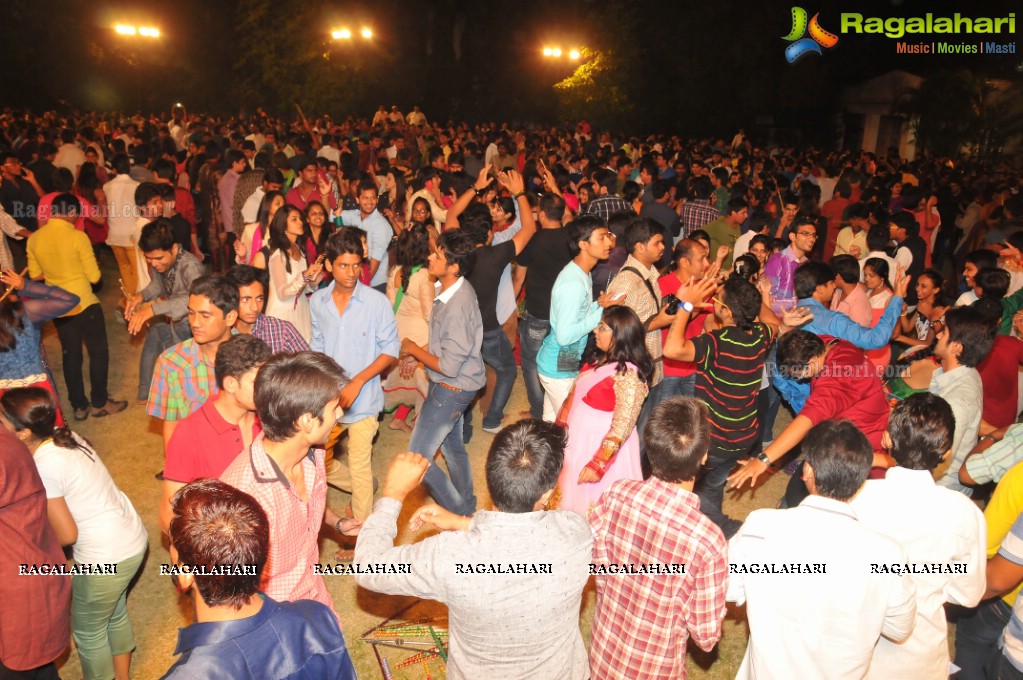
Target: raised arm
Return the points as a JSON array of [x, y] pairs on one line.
[[481, 183]]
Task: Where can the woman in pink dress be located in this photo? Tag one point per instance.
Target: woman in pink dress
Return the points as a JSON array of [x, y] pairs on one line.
[[603, 445]]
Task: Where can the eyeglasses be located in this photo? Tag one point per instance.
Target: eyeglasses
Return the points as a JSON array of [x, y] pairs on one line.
[[603, 327], [808, 234]]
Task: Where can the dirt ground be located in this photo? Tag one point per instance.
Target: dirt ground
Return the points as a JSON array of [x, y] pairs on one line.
[[130, 445]]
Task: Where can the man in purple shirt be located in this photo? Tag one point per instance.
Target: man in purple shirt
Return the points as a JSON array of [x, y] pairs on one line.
[[780, 269]]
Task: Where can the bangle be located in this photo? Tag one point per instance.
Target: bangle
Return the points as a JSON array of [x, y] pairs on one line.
[[519, 195], [337, 525]]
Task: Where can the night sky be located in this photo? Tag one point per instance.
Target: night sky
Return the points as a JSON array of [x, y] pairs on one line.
[[702, 67]]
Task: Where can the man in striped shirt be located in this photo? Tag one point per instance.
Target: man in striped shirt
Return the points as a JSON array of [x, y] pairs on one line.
[[730, 363]]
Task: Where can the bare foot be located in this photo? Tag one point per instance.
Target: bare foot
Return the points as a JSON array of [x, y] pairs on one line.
[[396, 424]]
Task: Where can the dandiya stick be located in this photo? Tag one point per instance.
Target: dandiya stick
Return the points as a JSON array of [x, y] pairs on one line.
[[390, 618], [11, 289]]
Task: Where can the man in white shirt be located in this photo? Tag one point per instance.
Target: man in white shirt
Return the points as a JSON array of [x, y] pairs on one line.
[[963, 342], [936, 527], [273, 180], [416, 117], [877, 240], [120, 193], [429, 177], [69, 155], [814, 580]]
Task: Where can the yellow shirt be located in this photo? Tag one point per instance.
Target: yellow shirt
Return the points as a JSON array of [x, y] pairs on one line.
[[1002, 510], [63, 256]]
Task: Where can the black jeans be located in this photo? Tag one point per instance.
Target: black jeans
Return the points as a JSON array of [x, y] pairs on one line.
[[977, 633], [88, 328]]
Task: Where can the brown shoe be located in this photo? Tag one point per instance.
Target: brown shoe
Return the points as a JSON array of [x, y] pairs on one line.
[[109, 408]]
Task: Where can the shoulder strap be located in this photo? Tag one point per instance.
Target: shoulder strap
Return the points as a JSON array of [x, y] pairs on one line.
[[649, 286]]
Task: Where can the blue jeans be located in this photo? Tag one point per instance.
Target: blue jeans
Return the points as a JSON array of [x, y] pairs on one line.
[[439, 425], [977, 633], [500, 356], [159, 338], [532, 332], [675, 386]]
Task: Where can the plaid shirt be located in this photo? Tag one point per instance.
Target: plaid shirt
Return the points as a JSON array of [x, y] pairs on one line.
[[642, 622], [697, 214], [294, 523], [281, 335], [605, 206], [183, 380]]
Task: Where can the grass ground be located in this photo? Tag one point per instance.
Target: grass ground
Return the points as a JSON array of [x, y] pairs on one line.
[[130, 445]]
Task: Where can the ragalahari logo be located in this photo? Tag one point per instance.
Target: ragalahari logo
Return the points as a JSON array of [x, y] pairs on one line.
[[801, 46]]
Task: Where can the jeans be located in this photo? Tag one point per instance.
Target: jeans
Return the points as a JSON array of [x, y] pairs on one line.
[[653, 398], [88, 328], [710, 487], [439, 425], [159, 338], [99, 618], [675, 386], [532, 332], [977, 633], [499, 355]]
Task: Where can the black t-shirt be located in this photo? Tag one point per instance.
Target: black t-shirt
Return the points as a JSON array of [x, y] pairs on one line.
[[486, 276], [20, 201], [545, 256], [182, 231]]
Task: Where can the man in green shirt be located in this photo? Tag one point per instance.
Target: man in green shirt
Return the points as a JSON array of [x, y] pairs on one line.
[[724, 231]]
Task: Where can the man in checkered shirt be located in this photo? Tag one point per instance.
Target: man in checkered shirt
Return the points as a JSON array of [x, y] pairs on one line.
[[643, 621]]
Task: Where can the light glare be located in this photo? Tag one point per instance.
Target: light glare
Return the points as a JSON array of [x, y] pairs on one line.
[[124, 29], [556, 52], [342, 34], [149, 32], [574, 55], [547, 51], [367, 33]]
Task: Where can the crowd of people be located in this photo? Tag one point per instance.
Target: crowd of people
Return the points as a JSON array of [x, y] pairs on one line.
[[299, 282]]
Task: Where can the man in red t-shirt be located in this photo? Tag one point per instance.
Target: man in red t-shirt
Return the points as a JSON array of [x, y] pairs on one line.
[[999, 373], [843, 386], [689, 260], [207, 441]]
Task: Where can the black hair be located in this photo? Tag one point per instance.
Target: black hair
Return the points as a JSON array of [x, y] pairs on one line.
[[840, 457], [737, 204], [65, 204], [683, 249], [972, 331], [795, 350], [809, 276], [146, 192], [982, 259], [846, 267], [319, 244], [878, 237], [744, 300], [242, 275], [581, 229], [157, 235], [523, 464], [677, 437], [745, 267], [223, 294], [905, 220], [279, 234], [345, 241], [641, 230], [880, 268], [552, 206], [922, 428], [993, 282], [628, 343], [238, 355], [290, 385], [120, 163], [411, 250], [458, 248], [35, 409]]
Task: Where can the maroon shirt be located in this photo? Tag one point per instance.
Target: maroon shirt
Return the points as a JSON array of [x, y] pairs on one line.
[[203, 445], [847, 388], [34, 610], [999, 374]]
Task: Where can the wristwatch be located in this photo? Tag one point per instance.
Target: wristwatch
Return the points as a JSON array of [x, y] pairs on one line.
[[762, 457], [687, 306]]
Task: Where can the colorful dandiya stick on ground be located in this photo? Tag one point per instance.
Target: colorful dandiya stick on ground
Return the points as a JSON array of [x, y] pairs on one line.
[[421, 657], [385, 670], [392, 617], [440, 644]]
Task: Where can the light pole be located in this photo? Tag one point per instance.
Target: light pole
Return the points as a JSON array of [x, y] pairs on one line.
[[133, 32]]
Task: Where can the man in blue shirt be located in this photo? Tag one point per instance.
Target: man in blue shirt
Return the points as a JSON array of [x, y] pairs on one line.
[[238, 631], [354, 325], [378, 232], [574, 312], [814, 284]]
